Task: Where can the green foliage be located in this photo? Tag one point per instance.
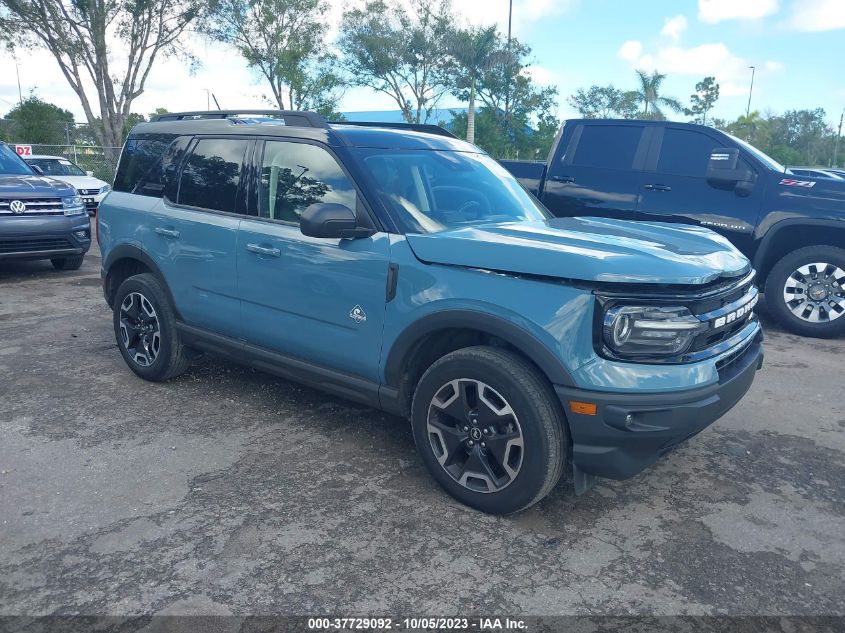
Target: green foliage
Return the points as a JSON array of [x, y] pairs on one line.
[[401, 53], [603, 102], [702, 101], [284, 41], [36, 121], [473, 52], [648, 93]]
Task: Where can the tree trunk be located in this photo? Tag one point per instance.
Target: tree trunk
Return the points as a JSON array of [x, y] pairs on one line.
[[471, 113]]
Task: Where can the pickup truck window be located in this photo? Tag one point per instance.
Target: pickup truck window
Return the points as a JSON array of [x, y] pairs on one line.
[[607, 146], [211, 174], [11, 163], [685, 152], [434, 190], [296, 175], [767, 160]]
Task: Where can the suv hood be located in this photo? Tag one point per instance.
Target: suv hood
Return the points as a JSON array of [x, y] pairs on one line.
[[587, 249], [25, 186], [82, 182]]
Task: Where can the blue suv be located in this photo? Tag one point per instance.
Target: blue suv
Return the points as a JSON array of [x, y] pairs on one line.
[[40, 218], [403, 268]]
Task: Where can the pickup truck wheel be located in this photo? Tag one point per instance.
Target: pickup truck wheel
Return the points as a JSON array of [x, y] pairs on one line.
[[67, 263], [145, 329], [806, 291], [489, 429]]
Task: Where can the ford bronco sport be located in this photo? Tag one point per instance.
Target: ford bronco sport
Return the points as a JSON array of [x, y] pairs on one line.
[[403, 268]]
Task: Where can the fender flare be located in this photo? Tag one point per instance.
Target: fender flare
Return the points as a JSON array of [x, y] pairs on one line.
[[775, 229], [506, 330], [129, 251]]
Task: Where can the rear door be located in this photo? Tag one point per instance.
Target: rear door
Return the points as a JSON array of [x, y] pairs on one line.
[[598, 172], [318, 299], [675, 187], [193, 234]]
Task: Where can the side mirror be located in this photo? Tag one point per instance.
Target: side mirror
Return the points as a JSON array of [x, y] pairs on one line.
[[326, 219], [37, 170], [725, 169], [89, 173]]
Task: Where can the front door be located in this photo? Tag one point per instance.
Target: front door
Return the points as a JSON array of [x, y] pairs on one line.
[[320, 300], [675, 188]]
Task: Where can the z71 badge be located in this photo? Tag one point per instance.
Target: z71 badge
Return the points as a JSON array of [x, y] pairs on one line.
[[791, 182]]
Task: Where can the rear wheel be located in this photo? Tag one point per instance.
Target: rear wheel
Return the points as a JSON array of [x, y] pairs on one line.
[[489, 429], [67, 263], [806, 291], [145, 329]]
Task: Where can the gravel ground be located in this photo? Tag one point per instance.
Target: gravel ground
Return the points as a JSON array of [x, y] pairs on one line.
[[229, 491]]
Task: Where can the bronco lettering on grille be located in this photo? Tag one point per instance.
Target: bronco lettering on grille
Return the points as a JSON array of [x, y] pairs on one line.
[[734, 316]]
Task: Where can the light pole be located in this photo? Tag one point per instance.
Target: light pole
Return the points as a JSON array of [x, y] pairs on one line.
[[207, 99], [750, 90], [838, 134], [508, 67]]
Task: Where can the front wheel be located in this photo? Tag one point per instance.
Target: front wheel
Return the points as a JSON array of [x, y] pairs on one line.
[[67, 263], [489, 429], [806, 291]]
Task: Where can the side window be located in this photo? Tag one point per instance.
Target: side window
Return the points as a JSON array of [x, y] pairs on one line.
[[211, 174], [607, 146], [296, 175], [685, 152], [139, 158]]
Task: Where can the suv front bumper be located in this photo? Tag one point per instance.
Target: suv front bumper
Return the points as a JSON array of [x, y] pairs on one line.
[[629, 432], [44, 237]]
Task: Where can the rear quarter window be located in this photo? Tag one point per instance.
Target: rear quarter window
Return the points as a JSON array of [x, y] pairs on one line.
[[148, 163]]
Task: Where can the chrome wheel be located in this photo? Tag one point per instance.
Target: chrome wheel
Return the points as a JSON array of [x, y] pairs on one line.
[[816, 292], [139, 329], [475, 435]]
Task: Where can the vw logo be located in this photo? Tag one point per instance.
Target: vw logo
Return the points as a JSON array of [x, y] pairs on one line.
[[17, 207]]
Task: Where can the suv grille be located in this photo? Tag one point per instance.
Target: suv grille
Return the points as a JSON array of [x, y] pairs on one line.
[[734, 306], [88, 192], [33, 245], [34, 206]]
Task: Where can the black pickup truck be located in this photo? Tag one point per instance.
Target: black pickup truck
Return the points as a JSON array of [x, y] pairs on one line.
[[791, 227]]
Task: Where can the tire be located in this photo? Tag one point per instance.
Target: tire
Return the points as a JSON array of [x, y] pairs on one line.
[[145, 329], [807, 272], [68, 263], [513, 477]]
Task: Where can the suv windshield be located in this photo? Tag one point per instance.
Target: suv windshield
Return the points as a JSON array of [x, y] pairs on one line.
[[11, 163], [436, 190], [56, 166]]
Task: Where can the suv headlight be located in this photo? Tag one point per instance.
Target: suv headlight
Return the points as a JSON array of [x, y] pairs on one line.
[[104, 189], [73, 205], [632, 331]]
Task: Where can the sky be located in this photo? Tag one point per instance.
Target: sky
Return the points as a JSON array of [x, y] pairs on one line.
[[796, 46]]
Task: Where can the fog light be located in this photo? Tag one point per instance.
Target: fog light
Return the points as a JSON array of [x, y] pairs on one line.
[[81, 234]]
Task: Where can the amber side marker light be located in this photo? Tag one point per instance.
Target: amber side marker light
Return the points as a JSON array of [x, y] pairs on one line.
[[584, 408]]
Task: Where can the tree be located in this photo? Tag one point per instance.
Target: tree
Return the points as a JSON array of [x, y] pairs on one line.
[[474, 52], [284, 41], [80, 35], [603, 102], [702, 101], [400, 53], [36, 121], [649, 95]]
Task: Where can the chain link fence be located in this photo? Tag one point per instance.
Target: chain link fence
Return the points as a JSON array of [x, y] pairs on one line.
[[100, 161]]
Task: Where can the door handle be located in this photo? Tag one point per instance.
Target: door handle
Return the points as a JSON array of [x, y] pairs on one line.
[[263, 250], [568, 179], [168, 232], [658, 187]]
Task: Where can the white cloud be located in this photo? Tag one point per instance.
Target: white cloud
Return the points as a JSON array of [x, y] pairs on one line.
[[731, 71], [631, 50], [541, 75], [673, 27], [713, 11], [525, 12], [817, 15]]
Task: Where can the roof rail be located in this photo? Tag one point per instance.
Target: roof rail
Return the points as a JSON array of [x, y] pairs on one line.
[[416, 127], [299, 118]]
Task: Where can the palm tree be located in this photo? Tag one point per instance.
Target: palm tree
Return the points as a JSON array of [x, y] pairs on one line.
[[649, 94], [474, 51]]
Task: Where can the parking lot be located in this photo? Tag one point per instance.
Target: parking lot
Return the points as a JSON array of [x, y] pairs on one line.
[[231, 491]]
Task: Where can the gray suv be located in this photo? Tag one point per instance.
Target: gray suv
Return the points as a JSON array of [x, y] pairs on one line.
[[40, 218]]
